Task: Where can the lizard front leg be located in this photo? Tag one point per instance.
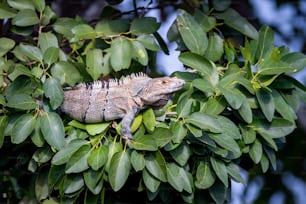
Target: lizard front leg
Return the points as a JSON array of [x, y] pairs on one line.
[[127, 121]]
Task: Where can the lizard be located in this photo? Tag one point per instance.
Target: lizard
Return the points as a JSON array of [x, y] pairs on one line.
[[118, 99]]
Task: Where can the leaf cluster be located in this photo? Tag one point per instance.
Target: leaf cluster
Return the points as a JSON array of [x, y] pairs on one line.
[[239, 101]]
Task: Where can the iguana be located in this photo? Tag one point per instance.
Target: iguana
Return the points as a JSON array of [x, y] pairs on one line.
[[115, 99]]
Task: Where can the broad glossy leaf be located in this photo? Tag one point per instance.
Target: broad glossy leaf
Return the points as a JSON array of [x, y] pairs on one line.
[[256, 151], [245, 111], [150, 182], [265, 42], [72, 183], [192, 34], [161, 136], [144, 142], [6, 12], [121, 55], [51, 55], [139, 53], [181, 154], [204, 85], [21, 4], [220, 170], [39, 5], [271, 156], [266, 102], [149, 120], [93, 180], [96, 128], [145, 25], [215, 48], [83, 31], [272, 65], [53, 90], [264, 163], [112, 27], [94, 60], [113, 148], [179, 132], [64, 26], [248, 134], [148, 42], [52, 129], [184, 106], [234, 171], [234, 20], [32, 52], [156, 165], [207, 23], [205, 122], [3, 124], [119, 171], [42, 155], [227, 142], [22, 128], [42, 189], [282, 107], [219, 193], [233, 96], [98, 157], [229, 127], [138, 160], [56, 174], [6, 45], [205, 176], [214, 105], [21, 101], [66, 73], [296, 61], [221, 5], [276, 129], [47, 40], [24, 18], [173, 173], [78, 161]]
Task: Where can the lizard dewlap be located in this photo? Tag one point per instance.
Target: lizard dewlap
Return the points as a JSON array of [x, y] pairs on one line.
[[114, 99]]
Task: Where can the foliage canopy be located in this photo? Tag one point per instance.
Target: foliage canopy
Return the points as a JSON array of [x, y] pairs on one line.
[[239, 101]]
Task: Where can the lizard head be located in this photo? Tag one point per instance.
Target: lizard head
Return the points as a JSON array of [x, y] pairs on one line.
[[158, 91]]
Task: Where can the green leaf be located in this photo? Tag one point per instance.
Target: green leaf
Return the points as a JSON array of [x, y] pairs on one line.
[[139, 53], [220, 170], [173, 173], [72, 183], [47, 40], [53, 90], [144, 142], [221, 5], [39, 5], [3, 124], [6, 45], [66, 73], [21, 101], [192, 34], [149, 120], [245, 111], [234, 20], [156, 165], [256, 151], [233, 96], [150, 182], [52, 129], [215, 48], [78, 161], [63, 156], [282, 107], [226, 142], [33, 53], [26, 17], [219, 193], [295, 60], [113, 148], [98, 157], [42, 189], [229, 127], [179, 132], [265, 42], [181, 154], [83, 31], [21, 4], [121, 55], [112, 27], [64, 26], [248, 134], [96, 128], [145, 25], [183, 107], [234, 171], [137, 161], [6, 12], [205, 122], [56, 174], [205, 176], [266, 102], [51, 55], [148, 42], [264, 163], [161, 136], [204, 85], [214, 105], [93, 180], [276, 129], [94, 60], [22, 128], [207, 23], [119, 171]]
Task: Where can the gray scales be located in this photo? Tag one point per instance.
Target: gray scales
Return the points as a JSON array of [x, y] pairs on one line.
[[115, 99]]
